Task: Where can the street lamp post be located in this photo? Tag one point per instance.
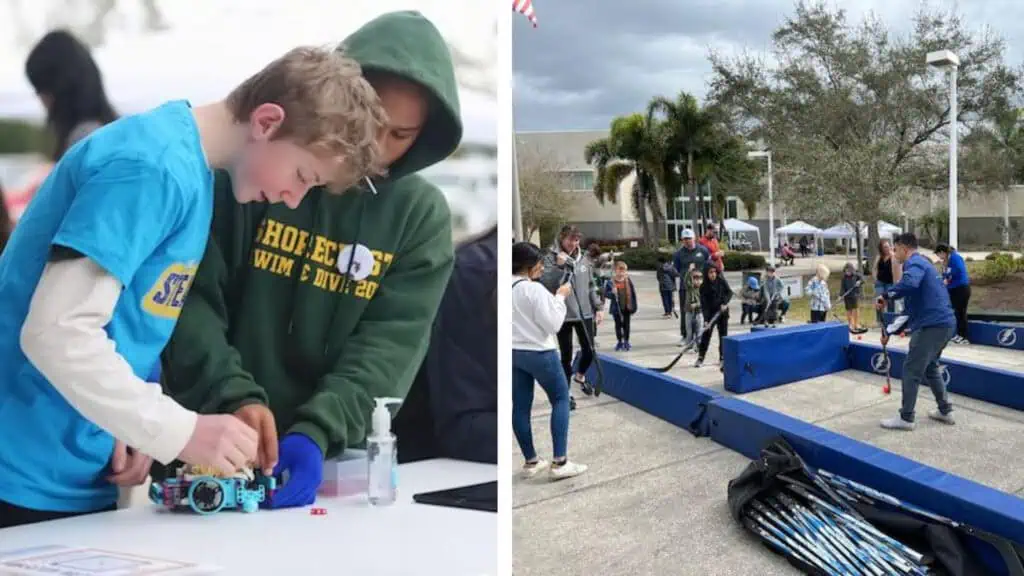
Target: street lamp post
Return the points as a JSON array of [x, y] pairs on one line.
[[771, 203], [947, 60]]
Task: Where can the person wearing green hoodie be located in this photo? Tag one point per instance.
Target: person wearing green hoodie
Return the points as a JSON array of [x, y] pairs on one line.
[[298, 319]]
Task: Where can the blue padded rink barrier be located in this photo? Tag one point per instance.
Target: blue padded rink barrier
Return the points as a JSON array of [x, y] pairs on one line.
[[673, 400], [745, 427], [989, 333], [773, 357], [992, 385]]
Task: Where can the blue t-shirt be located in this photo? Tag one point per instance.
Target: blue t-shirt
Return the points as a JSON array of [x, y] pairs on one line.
[[956, 271], [136, 197]]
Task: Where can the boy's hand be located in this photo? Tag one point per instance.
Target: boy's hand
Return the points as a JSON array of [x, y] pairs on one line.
[[885, 337], [564, 290], [561, 258], [880, 303], [261, 419], [304, 462], [725, 307], [221, 441], [598, 317], [128, 466]]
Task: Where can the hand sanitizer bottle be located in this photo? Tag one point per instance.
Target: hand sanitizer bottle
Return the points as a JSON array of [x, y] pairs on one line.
[[382, 456]]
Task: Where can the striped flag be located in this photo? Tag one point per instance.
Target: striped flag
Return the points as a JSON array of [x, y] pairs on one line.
[[525, 7]]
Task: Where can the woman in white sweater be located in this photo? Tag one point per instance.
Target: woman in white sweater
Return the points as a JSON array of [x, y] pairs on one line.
[[537, 316]]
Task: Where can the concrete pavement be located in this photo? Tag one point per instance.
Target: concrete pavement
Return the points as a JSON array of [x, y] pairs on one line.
[[654, 498]]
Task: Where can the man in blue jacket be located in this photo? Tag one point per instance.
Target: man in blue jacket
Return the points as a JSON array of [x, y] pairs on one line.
[[931, 323], [958, 284]]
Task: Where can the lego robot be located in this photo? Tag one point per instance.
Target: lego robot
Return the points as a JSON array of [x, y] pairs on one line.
[[208, 492]]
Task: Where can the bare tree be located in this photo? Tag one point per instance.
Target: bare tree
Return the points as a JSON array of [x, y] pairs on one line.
[[542, 195], [849, 110]]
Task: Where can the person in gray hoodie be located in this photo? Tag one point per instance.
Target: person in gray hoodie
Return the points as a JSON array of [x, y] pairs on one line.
[[773, 294], [583, 306]]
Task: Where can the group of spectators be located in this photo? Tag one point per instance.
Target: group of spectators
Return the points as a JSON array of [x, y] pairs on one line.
[[418, 320]]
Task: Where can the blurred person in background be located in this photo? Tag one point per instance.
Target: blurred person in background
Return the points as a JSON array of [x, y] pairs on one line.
[[536, 316], [958, 283], [452, 408], [566, 260], [298, 319], [886, 273], [70, 87]]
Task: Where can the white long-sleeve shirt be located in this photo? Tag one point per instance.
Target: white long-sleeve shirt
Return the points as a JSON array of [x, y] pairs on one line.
[[64, 338], [537, 315]]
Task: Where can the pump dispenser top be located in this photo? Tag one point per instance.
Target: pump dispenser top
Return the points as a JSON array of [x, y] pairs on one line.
[[382, 416]]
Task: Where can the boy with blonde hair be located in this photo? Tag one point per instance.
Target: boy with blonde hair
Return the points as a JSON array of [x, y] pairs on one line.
[[94, 278]]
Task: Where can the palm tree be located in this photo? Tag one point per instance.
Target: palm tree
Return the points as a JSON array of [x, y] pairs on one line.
[[689, 138], [633, 146]]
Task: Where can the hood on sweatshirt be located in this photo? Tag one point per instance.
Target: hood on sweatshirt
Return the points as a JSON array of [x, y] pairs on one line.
[[409, 46]]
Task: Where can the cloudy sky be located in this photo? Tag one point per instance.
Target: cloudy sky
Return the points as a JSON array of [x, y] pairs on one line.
[[582, 67]]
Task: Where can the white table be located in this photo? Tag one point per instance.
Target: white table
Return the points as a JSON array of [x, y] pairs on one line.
[[353, 538]]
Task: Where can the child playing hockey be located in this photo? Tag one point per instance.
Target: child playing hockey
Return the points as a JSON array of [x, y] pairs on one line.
[[692, 307], [751, 300], [666, 276], [715, 295], [821, 300], [619, 290], [850, 288]]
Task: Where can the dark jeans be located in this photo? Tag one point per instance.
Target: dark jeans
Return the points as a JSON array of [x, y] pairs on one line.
[[751, 311], [544, 368], [622, 326], [723, 330], [818, 316], [922, 364], [666, 301], [682, 317], [772, 316], [11, 515], [960, 297], [582, 329]]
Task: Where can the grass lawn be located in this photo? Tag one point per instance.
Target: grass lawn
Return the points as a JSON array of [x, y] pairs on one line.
[[800, 308], [1004, 296]]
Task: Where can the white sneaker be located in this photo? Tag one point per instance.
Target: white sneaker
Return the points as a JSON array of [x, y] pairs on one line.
[[531, 471], [567, 470], [940, 417], [682, 342]]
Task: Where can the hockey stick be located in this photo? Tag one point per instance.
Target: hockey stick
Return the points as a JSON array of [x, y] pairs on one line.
[[840, 299], [570, 276], [690, 345]]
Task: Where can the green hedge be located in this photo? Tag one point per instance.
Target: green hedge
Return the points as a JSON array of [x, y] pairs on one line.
[[995, 268], [742, 261]]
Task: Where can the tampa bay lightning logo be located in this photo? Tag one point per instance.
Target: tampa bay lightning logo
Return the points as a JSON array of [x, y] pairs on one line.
[[1007, 337], [944, 374], [880, 363]]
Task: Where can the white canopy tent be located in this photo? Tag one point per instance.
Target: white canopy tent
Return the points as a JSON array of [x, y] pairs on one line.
[[734, 226], [800, 228], [845, 231]]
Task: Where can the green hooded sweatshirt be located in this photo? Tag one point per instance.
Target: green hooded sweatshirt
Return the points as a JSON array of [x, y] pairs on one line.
[[272, 316]]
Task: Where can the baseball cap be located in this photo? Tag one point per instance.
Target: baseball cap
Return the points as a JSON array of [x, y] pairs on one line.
[[687, 233], [770, 267]]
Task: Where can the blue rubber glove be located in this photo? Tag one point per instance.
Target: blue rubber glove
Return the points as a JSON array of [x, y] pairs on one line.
[[304, 461]]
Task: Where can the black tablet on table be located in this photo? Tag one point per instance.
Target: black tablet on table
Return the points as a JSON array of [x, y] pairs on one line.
[[482, 497]]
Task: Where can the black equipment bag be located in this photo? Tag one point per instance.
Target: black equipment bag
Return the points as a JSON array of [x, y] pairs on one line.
[[960, 551]]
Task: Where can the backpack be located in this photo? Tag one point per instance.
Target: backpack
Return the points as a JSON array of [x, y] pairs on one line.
[[780, 486]]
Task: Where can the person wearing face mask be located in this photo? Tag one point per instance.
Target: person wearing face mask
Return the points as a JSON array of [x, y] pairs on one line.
[[298, 319], [96, 271]]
